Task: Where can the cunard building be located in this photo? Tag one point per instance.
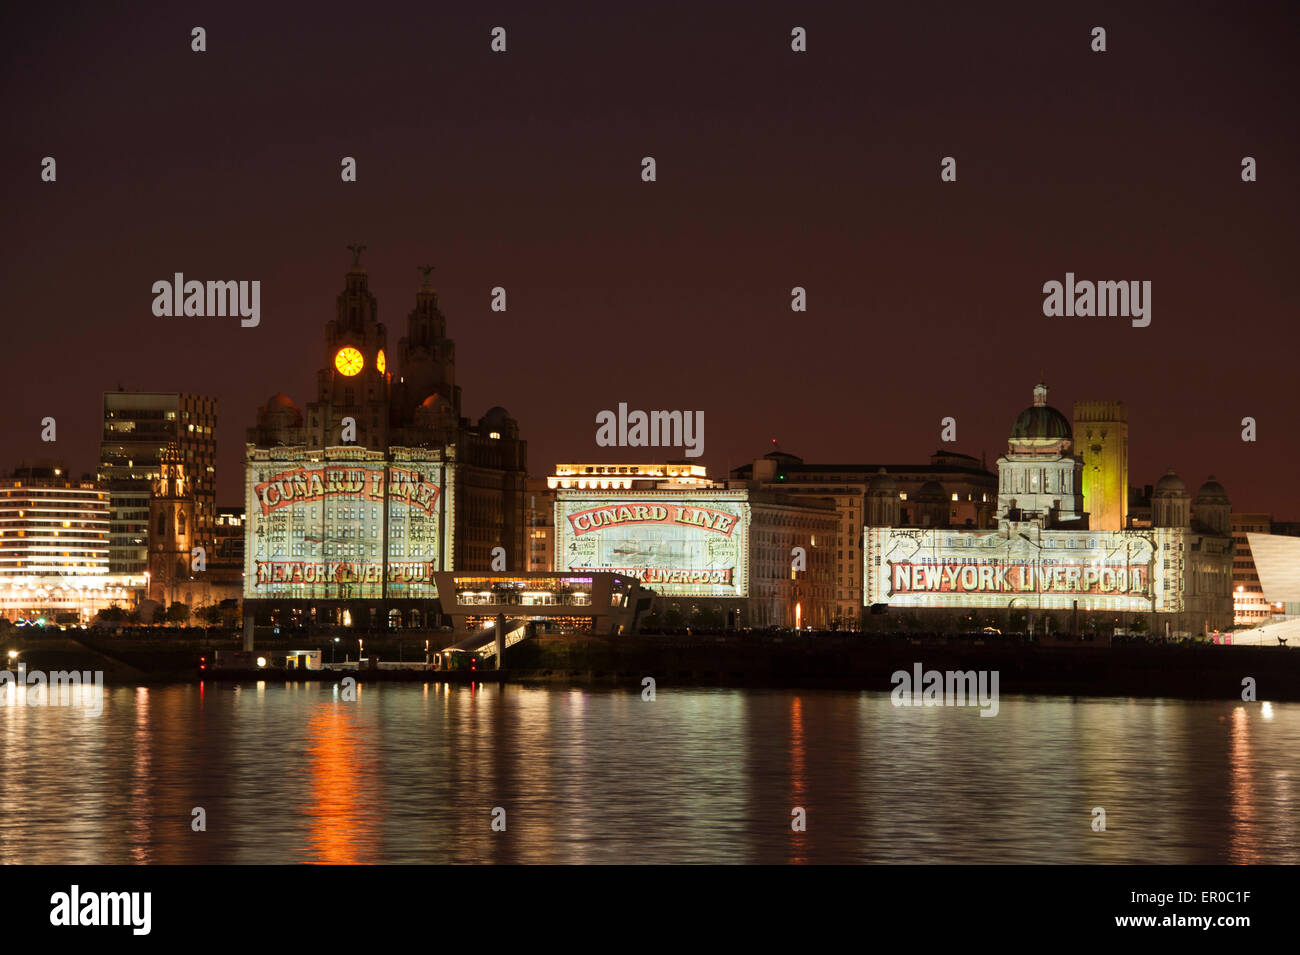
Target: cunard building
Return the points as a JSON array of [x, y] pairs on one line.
[[355, 500]]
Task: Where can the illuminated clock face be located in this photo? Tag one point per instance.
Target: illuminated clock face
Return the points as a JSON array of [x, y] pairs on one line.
[[348, 361], [381, 362]]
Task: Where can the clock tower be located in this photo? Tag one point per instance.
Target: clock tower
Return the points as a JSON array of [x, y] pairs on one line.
[[352, 522], [355, 380]]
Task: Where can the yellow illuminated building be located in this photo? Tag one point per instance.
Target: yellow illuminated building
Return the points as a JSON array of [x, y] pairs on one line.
[[1101, 439]]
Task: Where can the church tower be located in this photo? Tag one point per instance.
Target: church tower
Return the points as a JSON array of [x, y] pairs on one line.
[[171, 530]]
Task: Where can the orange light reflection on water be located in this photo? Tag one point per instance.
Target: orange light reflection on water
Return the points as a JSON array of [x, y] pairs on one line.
[[798, 780], [1244, 847], [341, 832]]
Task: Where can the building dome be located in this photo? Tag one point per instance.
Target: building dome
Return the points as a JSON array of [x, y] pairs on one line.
[[930, 492], [882, 483], [1040, 426], [435, 413], [883, 509], [1212, 492], [497, 424], [279, 412], [1169, 485]]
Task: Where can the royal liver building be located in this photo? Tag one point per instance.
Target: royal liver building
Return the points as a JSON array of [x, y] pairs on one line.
[[356, 499]]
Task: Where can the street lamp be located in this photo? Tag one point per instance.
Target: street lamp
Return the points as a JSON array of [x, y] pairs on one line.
[[334, 649]]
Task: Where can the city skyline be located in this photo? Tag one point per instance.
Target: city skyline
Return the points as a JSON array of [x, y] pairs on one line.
[[587, 434], [775, 170], [602, 455]]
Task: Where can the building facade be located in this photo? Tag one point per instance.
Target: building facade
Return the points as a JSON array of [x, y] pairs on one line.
[[540, 532], [1250, 607], [1044, 567], [548, 602], [722, 554], [226, 562], [355, 500], [951, 490], [54, 548], [138, 427], [1272, 578], [181, 570]]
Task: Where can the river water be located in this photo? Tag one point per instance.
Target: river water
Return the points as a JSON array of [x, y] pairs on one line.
[[411, 773]]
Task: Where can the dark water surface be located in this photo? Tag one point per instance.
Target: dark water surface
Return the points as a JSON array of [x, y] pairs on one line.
[[409, 773]]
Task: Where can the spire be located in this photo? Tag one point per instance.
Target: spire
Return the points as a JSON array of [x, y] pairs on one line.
[[356, 306]]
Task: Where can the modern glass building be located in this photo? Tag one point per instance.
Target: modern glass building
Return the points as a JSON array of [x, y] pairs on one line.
[[137, 429]]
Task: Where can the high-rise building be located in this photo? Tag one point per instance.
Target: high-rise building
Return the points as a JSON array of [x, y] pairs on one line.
[[355, 500], [54, 547], [138, 426], [1101, 438]]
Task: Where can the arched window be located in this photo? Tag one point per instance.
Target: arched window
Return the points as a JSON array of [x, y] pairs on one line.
[[162, 523]]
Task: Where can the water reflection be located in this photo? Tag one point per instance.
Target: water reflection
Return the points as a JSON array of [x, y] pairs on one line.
[[340, 769], [1244, 847], [414, 774]]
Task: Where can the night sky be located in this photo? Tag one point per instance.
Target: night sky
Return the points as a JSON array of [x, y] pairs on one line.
[[775, 169]]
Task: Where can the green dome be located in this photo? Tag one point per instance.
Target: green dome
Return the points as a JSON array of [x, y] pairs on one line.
[[1040, 425]]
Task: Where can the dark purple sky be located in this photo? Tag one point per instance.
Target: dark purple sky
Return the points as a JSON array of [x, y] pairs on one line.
[[775, 169]]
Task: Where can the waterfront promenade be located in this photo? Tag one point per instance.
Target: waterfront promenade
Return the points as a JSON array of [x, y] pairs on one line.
[[831, 660]]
